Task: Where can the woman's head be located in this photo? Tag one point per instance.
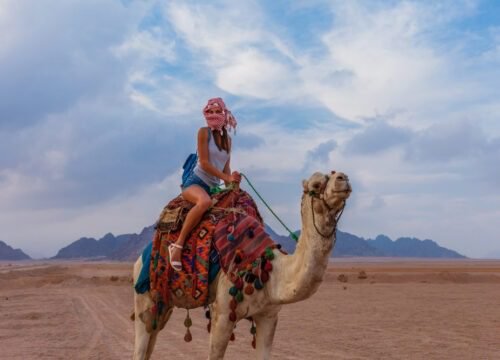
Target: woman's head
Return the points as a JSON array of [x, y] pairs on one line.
[[218, 115]]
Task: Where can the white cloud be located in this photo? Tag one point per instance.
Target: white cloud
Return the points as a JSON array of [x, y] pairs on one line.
[[150, 45], [235, 49], [389, 63], [51, 229], [253, 74], [204, 27], [122, 97]]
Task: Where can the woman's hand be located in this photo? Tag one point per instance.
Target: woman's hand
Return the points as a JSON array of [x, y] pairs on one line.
[[235, 177]]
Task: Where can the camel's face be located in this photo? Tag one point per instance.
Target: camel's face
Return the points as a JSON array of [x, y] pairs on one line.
[[337, 188], [334, 189]]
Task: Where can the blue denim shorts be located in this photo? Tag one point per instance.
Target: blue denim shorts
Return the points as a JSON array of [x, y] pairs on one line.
[[194, 179]]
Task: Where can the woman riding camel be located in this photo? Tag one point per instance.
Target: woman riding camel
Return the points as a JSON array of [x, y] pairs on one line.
[[214, 150]]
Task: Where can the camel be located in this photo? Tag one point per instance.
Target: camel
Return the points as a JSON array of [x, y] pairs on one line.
[[294, 277]]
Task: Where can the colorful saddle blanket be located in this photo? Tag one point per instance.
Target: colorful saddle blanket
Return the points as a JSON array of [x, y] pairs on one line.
[[233, 226]]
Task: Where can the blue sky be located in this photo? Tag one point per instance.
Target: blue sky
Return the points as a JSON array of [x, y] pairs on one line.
[[100, 101]]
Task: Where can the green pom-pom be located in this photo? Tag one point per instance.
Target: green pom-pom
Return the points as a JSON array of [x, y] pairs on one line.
[[239, 297], [233, 291], [270, 256], [188, 322]]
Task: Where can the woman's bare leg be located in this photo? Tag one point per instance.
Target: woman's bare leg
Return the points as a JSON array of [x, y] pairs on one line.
[[201, 200]]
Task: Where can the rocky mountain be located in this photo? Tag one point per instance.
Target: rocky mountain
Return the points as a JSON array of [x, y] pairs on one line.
[[9, 253], [128, 246], [412, 247], [92, 248], [352, 245], [133, 245], [346, 245]]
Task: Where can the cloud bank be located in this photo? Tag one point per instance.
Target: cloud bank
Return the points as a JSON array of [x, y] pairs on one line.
[[100, 102]]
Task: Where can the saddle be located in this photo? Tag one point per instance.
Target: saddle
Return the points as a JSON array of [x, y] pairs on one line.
[[230, 234]]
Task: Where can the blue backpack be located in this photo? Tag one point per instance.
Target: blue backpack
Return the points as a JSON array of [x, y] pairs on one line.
[[189, 166], [191, 161]]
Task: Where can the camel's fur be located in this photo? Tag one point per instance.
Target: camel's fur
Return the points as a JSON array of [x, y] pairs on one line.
[[294, 277]]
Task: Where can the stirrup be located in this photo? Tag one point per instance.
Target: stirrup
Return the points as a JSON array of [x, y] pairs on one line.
[[176, 265]]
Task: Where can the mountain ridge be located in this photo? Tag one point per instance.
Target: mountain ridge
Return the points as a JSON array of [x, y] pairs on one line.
[[127, 247], [9, 253]]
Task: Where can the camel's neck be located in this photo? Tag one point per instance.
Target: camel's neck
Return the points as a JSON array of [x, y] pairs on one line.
[[301, 273]]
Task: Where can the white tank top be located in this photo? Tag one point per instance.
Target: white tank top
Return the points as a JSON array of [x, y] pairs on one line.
[[217, 158]]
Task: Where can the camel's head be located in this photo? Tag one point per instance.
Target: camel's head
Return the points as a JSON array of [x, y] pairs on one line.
[[331, 191]]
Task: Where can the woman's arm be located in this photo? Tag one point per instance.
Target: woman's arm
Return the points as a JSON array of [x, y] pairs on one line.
[[227, 169], [203, 157], [235, 176]]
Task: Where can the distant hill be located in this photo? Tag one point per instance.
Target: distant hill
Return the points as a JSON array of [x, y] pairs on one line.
[[92, 248], [346, 245], [9, 253], [412, 247], [127, 247], [133, 245]]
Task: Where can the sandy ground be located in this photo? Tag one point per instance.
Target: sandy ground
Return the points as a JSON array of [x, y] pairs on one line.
[[402, 310]]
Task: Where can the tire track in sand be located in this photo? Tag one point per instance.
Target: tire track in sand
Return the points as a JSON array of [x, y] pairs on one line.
[[119, 329], [92, 324]]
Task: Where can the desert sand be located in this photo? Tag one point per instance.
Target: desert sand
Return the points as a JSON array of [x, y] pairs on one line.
[[401, 310]]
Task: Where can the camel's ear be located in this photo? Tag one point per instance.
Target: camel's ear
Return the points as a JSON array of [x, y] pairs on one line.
[[305, 184]]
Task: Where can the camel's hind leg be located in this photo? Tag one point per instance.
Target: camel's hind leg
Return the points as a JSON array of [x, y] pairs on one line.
[[145, 336]]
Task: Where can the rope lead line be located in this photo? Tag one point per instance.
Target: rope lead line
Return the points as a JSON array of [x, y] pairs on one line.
[[292, 234]]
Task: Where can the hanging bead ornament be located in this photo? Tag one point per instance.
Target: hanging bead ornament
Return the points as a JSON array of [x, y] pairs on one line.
[[209, 317], [248, 279], [188, 323], [253, 331]]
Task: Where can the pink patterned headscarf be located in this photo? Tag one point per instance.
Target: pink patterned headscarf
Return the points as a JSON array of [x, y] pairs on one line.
[[219, 121]]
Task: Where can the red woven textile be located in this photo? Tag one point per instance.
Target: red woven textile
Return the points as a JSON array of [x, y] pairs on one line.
[[190, 286]]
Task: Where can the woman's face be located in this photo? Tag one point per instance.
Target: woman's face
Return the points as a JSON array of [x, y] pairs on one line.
[[214, 110]]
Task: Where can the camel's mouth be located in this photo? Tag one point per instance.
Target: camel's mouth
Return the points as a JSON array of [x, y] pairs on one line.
[[333, 189], [338, 186]]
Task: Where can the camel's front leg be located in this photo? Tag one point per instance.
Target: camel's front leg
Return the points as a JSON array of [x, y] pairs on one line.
[[266, 326], [220, 332]]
